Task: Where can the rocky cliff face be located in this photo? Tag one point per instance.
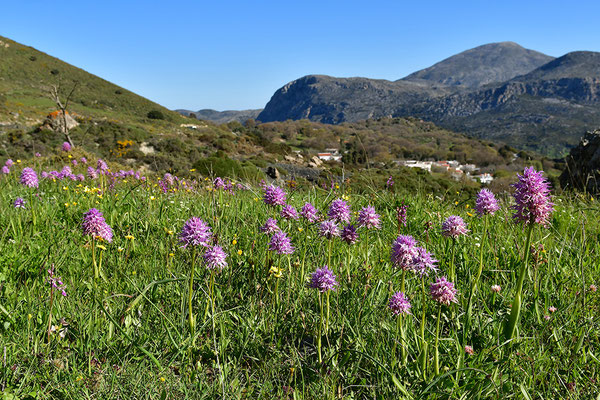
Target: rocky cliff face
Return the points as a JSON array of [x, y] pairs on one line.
[[583, 165], [546, 109], [579, 90], [335, 100]]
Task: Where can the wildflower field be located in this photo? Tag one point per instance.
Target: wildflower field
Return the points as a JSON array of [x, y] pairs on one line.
[[116, 285]]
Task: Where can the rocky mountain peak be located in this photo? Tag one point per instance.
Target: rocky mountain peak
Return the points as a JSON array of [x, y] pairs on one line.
[[489, 63]]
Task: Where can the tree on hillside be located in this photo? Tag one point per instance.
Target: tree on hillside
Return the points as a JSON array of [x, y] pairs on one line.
[[54, 91]]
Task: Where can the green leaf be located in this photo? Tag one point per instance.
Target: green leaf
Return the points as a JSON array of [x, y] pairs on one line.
[[524, 391]]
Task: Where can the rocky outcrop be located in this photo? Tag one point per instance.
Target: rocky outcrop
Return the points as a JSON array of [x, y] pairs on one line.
[[54, 121], [583, 165], [541, 110], [333, 100]]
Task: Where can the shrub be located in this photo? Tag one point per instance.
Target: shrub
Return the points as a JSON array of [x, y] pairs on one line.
[[155, 114], [227, 167], [224, 144]]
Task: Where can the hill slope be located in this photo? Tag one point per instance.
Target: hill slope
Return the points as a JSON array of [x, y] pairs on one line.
[[26, 73], [493, 62], [546, 109], [334, 100], [113, 124]]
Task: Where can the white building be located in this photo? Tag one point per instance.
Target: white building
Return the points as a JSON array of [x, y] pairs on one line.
[[329, 157], [484, 178], [426, 165]]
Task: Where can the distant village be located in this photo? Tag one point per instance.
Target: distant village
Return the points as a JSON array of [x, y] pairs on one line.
[[456, 170]]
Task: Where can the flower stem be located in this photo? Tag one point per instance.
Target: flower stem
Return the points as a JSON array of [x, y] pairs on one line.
[[191, 320], [329, 257], [304, 252], [96, 272], [424, 345], [32, 212], [320, 333], [437, 335], [367, 248], [513, 320], [50, 314], [403, 353], [475, 281], [452, 268], [327, 315]]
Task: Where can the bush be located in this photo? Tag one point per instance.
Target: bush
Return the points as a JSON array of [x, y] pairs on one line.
[[227, 167], [224, 144], [155, 114]]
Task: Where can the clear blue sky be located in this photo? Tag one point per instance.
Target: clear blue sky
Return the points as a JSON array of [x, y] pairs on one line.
[[235, 54]]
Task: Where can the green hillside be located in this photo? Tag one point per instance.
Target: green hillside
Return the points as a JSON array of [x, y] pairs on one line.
[[114, 124], [26, 73]]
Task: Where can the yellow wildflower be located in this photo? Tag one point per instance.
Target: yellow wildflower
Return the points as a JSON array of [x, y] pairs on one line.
[[239, 252], [234, 242], [276, 272]]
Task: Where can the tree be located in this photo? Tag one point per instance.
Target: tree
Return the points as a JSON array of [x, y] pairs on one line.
[[62, 105]]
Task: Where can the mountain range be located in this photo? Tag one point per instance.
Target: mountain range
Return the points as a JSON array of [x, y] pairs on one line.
[[128, 130], [221, 117], [498, 91]]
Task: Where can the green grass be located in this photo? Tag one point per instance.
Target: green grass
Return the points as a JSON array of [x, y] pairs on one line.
[[26, 73], [127, 334]]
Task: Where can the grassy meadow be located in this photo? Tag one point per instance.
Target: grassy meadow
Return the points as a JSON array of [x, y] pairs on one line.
[[260, 331]]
